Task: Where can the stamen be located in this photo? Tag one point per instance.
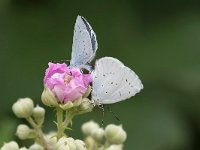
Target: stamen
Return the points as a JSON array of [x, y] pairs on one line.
[[67, 79]]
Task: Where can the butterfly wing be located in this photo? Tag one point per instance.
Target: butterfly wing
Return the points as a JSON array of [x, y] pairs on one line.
[[113, 82], [84, 43]]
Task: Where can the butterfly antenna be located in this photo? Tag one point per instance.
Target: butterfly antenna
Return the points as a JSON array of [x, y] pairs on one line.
[[61, 61], [103, 113], [113, 114]]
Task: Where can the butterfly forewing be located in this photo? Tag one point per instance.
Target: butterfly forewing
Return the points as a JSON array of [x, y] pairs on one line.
[[84, 43], [91, 33], [113, 82]]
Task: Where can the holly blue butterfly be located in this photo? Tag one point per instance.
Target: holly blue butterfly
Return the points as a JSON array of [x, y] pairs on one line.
[[84, 44], [113, 82]]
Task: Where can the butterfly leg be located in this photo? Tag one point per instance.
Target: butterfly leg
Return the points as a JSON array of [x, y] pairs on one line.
[[103, 113]]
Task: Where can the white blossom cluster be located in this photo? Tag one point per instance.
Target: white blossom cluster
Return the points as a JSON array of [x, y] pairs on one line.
[[96, 138]]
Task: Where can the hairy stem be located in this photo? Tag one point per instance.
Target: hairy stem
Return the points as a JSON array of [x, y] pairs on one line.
[[32, 122], [68, 118], [39, 134], [60, 128]]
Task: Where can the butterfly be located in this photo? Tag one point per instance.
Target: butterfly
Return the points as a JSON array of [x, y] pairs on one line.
[[113, 82], [84, 45]]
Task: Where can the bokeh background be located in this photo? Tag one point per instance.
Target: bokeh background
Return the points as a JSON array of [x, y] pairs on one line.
[[159, 40]]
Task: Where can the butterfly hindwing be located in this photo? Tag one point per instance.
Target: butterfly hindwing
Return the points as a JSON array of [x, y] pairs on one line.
[[113, 82]]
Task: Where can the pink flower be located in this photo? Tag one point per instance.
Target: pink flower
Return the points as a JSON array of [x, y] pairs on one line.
[[67, 84]]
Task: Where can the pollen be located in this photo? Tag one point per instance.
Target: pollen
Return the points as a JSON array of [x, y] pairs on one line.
[[67, 79]]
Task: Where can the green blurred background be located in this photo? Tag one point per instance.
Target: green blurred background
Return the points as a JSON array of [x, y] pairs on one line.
[[159, 40]]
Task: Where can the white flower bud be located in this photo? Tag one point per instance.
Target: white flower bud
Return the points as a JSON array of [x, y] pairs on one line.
[[10, 146], [51, 138], [23, 148], [65, 144], [80, 145], [36, 146], [85, 106], [38, 114], [48, 98], [115, 147], [23, 108], [115, 134], [24, 132], [89, 127], [89, 142], [98, 134]]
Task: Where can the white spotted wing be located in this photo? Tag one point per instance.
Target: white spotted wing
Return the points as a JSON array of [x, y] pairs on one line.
[[113, 82], [84, 43]]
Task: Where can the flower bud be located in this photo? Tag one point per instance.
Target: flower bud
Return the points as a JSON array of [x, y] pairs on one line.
[[66, 83], [90, 142], [10, 146], [89, 127], [38, 114], [115, 147], [48, 98], [36, 146], [85, 106], [23, 148], [23, 108], [80, 145], [87, 93], [115, 134], [51, 138], [24, 132], [65, 144], [98, 134]]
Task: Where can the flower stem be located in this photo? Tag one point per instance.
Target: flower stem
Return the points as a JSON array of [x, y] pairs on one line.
[[43, 141], [32, 122], [68, 118], [60, 128], [39, 134]]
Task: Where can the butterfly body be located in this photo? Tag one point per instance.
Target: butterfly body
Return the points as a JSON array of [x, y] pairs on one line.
[[112, 81]]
